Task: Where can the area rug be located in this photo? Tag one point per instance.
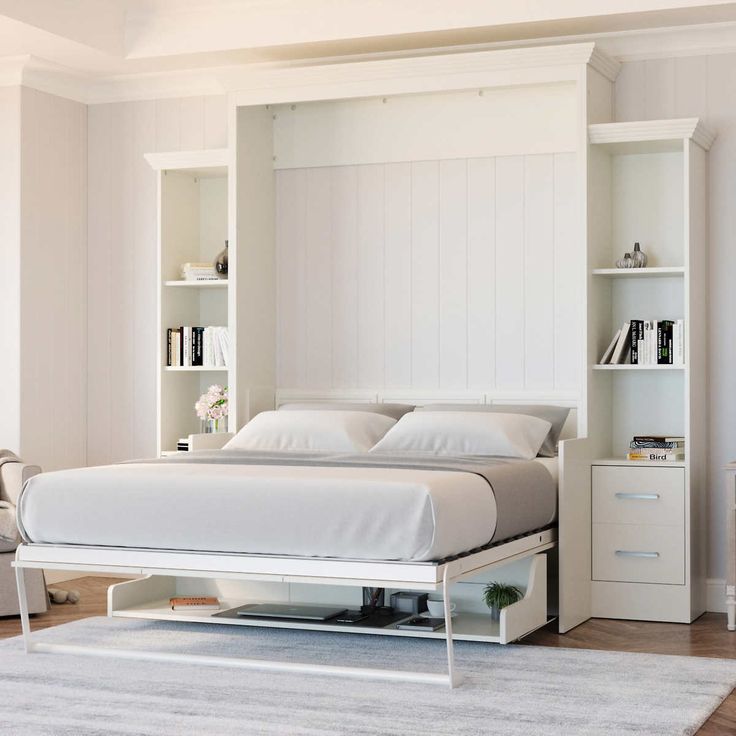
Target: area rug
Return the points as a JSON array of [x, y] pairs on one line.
[[507, 690]]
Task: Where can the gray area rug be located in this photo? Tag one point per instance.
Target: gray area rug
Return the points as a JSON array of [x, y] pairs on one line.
[[507, 690]]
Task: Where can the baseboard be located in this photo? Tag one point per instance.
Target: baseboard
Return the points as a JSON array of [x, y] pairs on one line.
[[60, 576], [715, 595]]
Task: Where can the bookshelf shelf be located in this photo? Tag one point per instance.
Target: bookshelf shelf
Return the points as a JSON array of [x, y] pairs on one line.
[[192, 369], [630, 367], [219, 284], [653, 272]]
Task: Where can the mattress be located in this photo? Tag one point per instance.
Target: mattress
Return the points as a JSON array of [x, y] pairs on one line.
[[307, 510]]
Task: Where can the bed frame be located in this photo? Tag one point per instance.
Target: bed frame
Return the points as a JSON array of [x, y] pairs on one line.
[[147, 597], [134, 598]]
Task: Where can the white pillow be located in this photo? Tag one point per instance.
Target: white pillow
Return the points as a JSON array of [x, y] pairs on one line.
[[327, 431], [466, 433]]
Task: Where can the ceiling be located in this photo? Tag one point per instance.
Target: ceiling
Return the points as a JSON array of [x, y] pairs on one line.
[[113, 39]]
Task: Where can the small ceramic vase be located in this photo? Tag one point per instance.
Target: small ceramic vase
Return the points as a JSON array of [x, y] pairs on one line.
[[220, 264], [626, 262], [639, 257]]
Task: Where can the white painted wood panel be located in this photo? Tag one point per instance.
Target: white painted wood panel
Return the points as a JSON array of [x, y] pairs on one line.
[[397, 286], [524, 119], [121, 228], [53, 263], [424, 274], [10, 257], [392, 275], [509, 272]]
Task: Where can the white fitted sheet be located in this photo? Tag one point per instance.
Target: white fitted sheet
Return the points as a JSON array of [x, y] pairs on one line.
[[343, 512]]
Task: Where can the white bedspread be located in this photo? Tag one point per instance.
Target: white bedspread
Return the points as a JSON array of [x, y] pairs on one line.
[[358, 513]]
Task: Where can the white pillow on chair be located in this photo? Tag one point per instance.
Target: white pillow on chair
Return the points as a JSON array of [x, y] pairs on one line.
[[318, 431]]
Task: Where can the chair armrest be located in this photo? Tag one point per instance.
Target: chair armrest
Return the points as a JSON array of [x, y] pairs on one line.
[[12, 478]]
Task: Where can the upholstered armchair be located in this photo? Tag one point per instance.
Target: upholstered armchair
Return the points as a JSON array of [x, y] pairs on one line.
[[13, 474]]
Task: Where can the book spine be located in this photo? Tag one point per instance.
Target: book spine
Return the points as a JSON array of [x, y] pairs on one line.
[[635, 341], [197, 360], [168, 347], [665, 456]]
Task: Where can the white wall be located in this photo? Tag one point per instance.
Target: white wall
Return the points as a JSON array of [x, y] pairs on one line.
[[452, 274], [43, 225], [10, 268], [53, 280], [704, 86], [122, 261]]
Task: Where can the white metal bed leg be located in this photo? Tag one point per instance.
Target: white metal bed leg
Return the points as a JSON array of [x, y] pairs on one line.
[[25, 623], [453, 678]]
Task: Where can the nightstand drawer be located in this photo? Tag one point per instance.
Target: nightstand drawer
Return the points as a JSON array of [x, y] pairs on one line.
[[626, 495], [639, 554]]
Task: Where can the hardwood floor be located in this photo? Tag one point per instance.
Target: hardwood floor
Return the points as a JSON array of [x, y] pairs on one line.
[[707, 637]]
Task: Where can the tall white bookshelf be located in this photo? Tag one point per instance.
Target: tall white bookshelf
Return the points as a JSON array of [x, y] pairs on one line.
[[646, 184], [192, 227]]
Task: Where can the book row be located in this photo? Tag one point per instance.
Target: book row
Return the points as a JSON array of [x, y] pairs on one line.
[[647, 342], [189, 347], [658, 447]]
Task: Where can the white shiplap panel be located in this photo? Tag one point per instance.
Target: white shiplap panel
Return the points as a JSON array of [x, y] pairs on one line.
[[539, 290], [425, 274], [567, 326], [290, 220], [215, 121], [660, 88], [397, 283], [370, 292], [481, 272], [99, 277], [318, 276], [630, 94], [453, 260], [509, 309], [143, 204], [168, 124], [344, 193], [690, 90], [191, 112]]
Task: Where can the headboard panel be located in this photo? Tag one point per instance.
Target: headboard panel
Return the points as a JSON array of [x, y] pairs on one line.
[[419, 398]]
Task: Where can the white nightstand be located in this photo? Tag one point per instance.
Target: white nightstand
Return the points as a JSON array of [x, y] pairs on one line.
[[731, 561], [639, 544]]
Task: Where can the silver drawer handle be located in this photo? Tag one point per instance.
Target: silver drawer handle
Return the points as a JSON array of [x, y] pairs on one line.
[[628, 553], [639, 496]]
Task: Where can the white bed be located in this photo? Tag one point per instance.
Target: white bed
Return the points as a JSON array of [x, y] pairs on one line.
[[361, 513]]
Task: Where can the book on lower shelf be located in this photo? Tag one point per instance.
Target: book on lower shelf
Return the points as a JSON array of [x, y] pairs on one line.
[[657, 448], [194, 603], [647, 342], [197, 347]]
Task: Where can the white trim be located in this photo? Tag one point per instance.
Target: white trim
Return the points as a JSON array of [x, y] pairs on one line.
[[611, 49], [715, 595], [211, 158], [652, 130]]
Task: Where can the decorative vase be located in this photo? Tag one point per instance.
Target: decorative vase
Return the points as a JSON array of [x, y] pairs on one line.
[[210, 426], [639, 257], [220, 264], [626, 262]]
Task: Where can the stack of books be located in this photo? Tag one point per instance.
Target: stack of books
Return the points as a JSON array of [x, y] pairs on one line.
[[648, 342], [182, 444], [189, 347], [662, 448], [198, 272]]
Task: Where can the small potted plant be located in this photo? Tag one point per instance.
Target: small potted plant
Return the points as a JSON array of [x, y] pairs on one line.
[[500, 595], [212, 409]]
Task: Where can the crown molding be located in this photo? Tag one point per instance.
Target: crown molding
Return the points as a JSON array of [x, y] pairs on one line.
[[603, 52], [652, 130]]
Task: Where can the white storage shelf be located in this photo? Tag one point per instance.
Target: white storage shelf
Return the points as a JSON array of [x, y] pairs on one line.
[[638, 463], [465, 626], [192, 369], [219, 284], [653, 272], [634, 367]]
